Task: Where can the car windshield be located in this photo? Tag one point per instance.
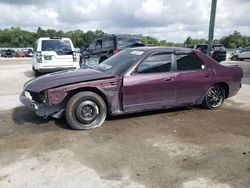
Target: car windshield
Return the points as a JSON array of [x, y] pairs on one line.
[[121, 62], [61, 47], [202, 48]]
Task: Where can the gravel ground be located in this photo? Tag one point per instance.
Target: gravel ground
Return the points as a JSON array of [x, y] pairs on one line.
[[183, 147]]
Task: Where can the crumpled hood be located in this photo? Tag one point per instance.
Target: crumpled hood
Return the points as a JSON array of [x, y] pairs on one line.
[[61, 78]]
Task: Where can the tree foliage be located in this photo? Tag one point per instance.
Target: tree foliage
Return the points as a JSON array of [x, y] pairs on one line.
[[17, 37], [233, 40]]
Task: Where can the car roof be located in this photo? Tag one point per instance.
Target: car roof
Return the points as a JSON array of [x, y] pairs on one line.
[[51, 38], [164, 49]]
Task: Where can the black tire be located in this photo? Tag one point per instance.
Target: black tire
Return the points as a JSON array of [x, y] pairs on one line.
[[85, 110], [37, 73], [102, 59], [235, 58], [214, 97]]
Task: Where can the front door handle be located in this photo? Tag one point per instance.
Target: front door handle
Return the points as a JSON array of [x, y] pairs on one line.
[[206, 76]]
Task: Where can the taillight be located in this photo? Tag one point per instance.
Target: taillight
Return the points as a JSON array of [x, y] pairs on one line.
[[74, 56], [115, 51], [39, 57]]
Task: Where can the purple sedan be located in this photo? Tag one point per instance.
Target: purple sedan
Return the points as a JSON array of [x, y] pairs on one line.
[[134, 80]]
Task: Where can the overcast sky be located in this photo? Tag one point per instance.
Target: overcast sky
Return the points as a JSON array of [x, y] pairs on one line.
[[171, 20]]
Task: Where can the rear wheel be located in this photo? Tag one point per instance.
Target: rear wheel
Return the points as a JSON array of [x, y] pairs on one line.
[[102, 59], [86, 110], [214, 97], [37, 73]]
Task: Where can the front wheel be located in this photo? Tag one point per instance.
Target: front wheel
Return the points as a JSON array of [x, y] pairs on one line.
[[86, 110], [214, 97]]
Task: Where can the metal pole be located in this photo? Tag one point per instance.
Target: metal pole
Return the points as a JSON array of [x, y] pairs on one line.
[[211, 25]]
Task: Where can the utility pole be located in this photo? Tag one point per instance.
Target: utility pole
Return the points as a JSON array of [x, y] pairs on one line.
[[211, 25]]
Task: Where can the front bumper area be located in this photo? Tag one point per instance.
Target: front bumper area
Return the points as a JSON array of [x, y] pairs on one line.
[[41, 109]]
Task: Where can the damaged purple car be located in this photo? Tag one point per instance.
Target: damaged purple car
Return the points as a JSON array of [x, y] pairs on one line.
[[134, 80]]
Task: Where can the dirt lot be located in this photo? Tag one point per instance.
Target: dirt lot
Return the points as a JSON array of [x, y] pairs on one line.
[[184, 147]]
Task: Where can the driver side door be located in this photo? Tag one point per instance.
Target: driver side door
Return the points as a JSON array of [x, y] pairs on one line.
[[151, 85]]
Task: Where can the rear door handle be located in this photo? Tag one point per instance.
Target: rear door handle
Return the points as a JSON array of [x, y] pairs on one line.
[[168, 79], [206, 76]]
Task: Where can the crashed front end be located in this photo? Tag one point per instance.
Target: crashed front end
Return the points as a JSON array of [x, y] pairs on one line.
[[40, 104]]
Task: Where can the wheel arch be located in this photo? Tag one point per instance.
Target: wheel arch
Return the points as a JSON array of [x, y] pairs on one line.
[[225, 86], [91, 89]]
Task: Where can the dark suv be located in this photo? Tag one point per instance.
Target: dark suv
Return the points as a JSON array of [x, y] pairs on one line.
[[218, 51], [101, 49]]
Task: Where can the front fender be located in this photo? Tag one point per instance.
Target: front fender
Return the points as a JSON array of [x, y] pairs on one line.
[[108, 89]]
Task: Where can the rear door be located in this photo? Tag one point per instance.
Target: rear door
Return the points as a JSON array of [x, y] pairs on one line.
[[57, 53], [193, 77]]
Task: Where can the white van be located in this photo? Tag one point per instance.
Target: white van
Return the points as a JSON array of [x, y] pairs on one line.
[[53, 54]]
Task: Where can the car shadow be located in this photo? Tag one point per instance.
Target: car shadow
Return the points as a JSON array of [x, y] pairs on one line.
[[170, 111], [29, 74], [22, 115]]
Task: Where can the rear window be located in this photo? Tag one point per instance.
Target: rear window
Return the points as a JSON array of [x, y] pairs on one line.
[[61, 47], [124, 42]]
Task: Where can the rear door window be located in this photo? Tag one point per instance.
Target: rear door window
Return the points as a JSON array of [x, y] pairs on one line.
[[92, 46], [108, 42], [189, 62], [98, 44], [124, 42], [61, 47]]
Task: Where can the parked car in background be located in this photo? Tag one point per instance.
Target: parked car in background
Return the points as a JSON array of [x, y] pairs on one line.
[[28, 52], [101, 49], [218, 51], [8, 53], [134, 80], [20, 54], [53, 54], [241, 54]]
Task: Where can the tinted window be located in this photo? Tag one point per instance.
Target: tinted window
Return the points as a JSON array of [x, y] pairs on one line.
[[124, 42], [92, 46], [98, 44], [188, 62], [121, 62], [61, 47], [156, 63], [245, 49], [108, 42], [202, 48]]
